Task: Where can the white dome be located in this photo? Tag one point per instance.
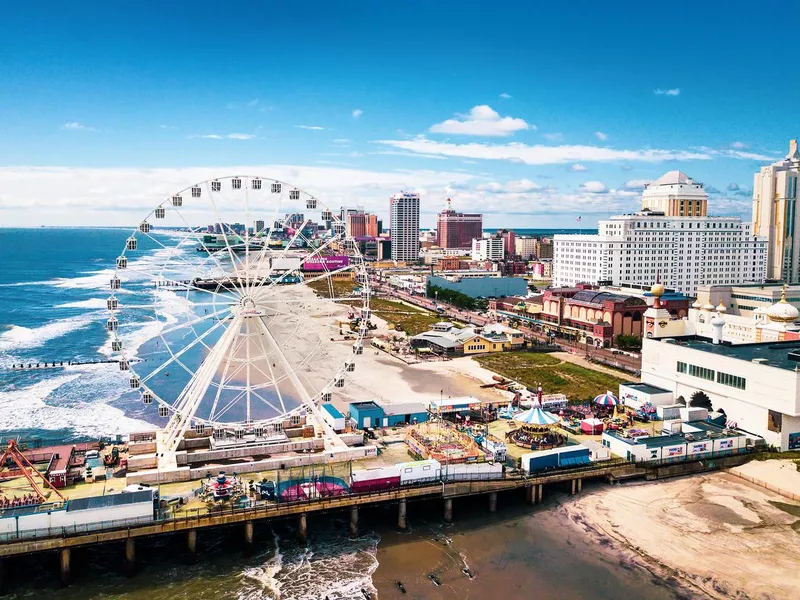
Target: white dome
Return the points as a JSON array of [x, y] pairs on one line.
[[783, 312], [721, 307], [708, 306], [717, 319], [696, 304]]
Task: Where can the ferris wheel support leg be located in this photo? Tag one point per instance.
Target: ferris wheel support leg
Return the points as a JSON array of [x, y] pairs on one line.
[[193, 395], [330, 435]]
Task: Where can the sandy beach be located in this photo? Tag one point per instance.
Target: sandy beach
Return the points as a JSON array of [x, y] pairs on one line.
[[715, 534]]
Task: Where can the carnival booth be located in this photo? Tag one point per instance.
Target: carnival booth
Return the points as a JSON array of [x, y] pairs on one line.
[[592, 426]]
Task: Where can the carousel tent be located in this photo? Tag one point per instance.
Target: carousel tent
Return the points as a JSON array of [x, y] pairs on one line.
[[536, 416]]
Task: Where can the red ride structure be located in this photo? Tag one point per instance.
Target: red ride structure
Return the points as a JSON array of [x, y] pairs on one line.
[[29, 472]]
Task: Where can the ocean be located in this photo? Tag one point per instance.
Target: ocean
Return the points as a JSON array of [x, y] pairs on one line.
[[53, 290]]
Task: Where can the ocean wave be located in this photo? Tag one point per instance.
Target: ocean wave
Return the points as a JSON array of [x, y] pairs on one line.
[[17, 337], [28, 408], [333, 567], [92, 303], [167, 306]]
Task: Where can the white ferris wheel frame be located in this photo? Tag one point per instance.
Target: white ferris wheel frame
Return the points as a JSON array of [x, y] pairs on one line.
[[240, 286]]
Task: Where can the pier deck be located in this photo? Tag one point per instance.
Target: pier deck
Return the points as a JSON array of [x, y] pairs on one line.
[[194, 520]]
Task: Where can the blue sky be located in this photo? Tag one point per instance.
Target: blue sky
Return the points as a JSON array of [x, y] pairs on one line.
[[532, 113]]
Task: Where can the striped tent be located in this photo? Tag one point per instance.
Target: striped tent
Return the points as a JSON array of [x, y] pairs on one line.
[[607, 399], [536, 416]]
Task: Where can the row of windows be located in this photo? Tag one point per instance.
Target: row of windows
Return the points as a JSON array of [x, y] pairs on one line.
[[708, 374], [695, 371], [731, 380]]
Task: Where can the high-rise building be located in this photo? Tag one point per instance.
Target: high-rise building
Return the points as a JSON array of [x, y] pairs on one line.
[[508, 238], [404, 226], [259, 225], [362, 225], [457, 230], [676, 195], [684, 252], [544, 248], [525, 247], [775, 215], [491, 248]]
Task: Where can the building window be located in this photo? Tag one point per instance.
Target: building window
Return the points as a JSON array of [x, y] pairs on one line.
[[701, 372], [682, 367], [731, 380]]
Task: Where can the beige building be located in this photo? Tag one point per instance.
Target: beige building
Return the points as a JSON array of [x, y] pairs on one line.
[[676, 195], [526, 247], [775, 215]]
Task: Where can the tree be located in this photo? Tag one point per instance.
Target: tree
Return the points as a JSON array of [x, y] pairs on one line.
[[628, 342], [700, 400]]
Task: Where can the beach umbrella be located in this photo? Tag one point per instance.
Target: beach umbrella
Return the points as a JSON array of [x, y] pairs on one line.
[[607, 399], [536, 416]]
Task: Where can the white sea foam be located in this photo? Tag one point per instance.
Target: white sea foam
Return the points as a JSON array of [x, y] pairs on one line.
[[32, 408], [334, 568], [91, 303], [22, 338], [167, 306]]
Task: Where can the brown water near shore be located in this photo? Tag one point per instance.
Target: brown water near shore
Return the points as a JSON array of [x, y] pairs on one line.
[[518, 552]]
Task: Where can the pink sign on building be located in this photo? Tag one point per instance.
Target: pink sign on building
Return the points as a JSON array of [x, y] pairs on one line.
[[326, 263]]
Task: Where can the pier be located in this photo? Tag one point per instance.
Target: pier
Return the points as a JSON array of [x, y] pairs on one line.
[[60, 364], [191, 524]]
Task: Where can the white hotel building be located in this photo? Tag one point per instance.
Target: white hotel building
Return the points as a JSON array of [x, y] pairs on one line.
[[672, 238]]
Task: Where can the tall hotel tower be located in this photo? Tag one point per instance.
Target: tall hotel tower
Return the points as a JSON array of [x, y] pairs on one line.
[[775, 215], [404, 226]]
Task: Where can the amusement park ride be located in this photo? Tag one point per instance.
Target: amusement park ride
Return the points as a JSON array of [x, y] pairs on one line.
[[250, 350], [25, 469]]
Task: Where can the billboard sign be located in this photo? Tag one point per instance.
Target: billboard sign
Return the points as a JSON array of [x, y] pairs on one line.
[[325, 263]]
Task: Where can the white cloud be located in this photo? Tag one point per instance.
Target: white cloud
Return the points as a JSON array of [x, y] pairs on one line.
[[541, 154], [253, 103], [73, 126], [123, 196], [341, 141], [229, 136], [410, 154], [738, 145], [357, 113], [482, 120], [594, 187], [553, 137], [672, 92], [601, 136], [311, 127], [505, 96], [578, 168], [748, 155], [168, 127], [636, 184]]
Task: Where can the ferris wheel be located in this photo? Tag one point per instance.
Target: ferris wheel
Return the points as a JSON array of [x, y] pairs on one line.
[[261, 304]]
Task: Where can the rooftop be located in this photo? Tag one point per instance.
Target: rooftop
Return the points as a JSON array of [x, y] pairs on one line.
[[95, 502], [672, 178], [646, 388], [772, 354]]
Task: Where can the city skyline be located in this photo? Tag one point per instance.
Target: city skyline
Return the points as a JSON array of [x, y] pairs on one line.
[[544, 130]]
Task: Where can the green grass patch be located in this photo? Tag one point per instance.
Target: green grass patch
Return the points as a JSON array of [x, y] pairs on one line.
[[407, 318], [333, 288], [553, 374]]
